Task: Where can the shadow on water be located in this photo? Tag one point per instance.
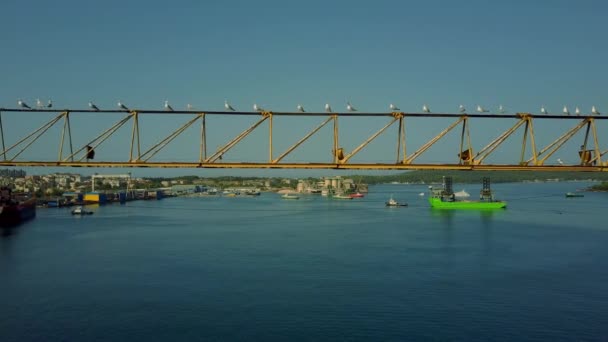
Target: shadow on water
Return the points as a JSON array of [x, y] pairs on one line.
[[485, 214], [6, 243], [454, 225], [445, 216], [486, 219], [486, 233], [5, 232]]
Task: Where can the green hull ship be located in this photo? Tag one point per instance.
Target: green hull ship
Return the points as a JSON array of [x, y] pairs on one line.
[[443, 204], [445, 199]]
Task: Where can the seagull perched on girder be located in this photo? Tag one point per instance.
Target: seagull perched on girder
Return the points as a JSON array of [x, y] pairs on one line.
[[122, 106], [93, 106], [257, 108], [594, 111], [566, 111], [577, 111], [426, 109], [39, 104], [300, 108], [543, 110], [189, 106], [228, 106], [461, 109], [481, 109], [23, 104], [560, 161], [168, 106], [49, 104], [328, 108], [350, 107], [393, 107], [501, 109]]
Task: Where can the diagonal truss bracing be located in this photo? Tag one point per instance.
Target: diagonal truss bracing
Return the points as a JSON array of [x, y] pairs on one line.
[[590, 155]]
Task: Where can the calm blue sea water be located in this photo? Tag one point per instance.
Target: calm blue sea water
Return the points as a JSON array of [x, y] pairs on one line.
[[313, 269]]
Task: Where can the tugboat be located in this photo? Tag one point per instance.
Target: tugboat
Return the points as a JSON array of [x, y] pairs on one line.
[[392, 203], [80, 211], [445, 199], [14, 211], [574, 194]]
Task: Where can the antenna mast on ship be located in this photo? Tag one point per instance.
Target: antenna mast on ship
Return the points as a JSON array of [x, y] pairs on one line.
[[486, 192]]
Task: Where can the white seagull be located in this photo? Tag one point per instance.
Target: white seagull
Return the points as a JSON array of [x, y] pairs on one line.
[[39, 104], [228, 106], [350, 107], [93, 106], [577, 111], [49, 104], [168, 106], [426, 109], [543, 110], [257, 108], [560, 161], [462, 109], [23, 104], [566, 111], [300, 108], [393, 107], [481, 109], [594, 111], [122, 106], [501, 109], [328, 108], [189, 106]]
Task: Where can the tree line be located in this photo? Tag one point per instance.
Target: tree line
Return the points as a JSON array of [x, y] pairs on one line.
[[435, 176]]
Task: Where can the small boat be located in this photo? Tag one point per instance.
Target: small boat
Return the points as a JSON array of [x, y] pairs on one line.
[[356, 195], [574, 194], [339, 196], [80, 211], [290, 196], [421, 194], [392, 203]]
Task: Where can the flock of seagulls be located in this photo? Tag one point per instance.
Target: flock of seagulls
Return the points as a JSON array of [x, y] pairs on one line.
[[39, 104], [299, 108]]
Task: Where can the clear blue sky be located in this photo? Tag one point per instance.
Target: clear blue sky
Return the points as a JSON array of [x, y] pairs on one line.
[[521, 54]]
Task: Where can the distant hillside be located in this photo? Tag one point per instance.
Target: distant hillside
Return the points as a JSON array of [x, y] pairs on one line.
[[434, 176]]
